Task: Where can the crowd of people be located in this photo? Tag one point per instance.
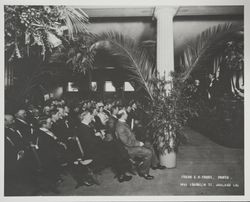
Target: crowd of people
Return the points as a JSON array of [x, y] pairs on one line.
[[44, 142]]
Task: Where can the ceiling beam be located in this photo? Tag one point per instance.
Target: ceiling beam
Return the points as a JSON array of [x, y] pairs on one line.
[[107, 12], [210, 10], [119, 12]]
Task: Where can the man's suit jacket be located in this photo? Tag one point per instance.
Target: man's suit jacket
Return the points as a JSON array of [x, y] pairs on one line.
[[13, 145], [98, 124], [92, 145], [126, 136], [107, 112], [213, 89], [61, 130], [15, 137], [111, 126], [25, 129], [48, 149]]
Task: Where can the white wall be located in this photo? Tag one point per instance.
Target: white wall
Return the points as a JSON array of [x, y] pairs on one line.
[[186, 30], [137, 29]]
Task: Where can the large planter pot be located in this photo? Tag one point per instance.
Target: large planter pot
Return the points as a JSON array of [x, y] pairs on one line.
[[168, 159]]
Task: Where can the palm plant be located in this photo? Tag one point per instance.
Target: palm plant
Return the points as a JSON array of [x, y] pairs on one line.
[[206, 47], [75, 20], [170, 112], [138, 60], [132, 57]]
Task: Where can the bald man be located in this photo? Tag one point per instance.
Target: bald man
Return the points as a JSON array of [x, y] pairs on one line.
[[135, 148]]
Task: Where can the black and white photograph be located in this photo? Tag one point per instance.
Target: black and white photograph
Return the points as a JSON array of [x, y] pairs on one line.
[[124, 100]]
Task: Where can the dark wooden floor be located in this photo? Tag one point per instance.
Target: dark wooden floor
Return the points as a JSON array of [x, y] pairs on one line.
[[199, 157]]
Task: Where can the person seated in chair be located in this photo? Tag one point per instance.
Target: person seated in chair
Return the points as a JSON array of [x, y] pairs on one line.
[[134, 147], [15, 152], [49, 151], [111, 137], [111, 123], [102, 153], [26, 129], [78, 165], [60, 125]]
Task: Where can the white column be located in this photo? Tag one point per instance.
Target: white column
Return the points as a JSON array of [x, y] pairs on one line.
[[165, 40]]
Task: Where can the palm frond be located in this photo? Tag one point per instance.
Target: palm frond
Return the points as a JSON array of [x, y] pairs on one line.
[[149, 47], [75, 19], [130, 55], [206, 46]]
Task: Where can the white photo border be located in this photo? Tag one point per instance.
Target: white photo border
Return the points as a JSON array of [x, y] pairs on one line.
[[133, 3]]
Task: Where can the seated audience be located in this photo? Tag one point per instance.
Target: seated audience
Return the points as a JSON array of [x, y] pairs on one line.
[[43, 141], [103, 154]]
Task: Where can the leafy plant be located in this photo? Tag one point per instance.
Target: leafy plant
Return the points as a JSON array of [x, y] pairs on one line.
[[77, 53], [207, 46], [170, 112], [132, 57], [40, 27], [137, 60]]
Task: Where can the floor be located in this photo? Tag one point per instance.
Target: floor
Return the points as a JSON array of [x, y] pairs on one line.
[[200, 157]]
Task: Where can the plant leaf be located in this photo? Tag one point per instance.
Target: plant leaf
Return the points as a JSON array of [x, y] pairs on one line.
[[132, 58], [207, 45]]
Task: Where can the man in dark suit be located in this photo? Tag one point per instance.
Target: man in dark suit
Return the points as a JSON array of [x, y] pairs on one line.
[[25, 128], [78, 165], [212, 90], [134, 147], [10, 132], [102, 153], [110, 136], [49, 143], [49, 147], [111, 123], [19, 159], [107, 109], [14, 153], [60, 126]]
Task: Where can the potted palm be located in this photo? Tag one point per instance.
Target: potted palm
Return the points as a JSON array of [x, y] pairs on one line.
[[170, 112]]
